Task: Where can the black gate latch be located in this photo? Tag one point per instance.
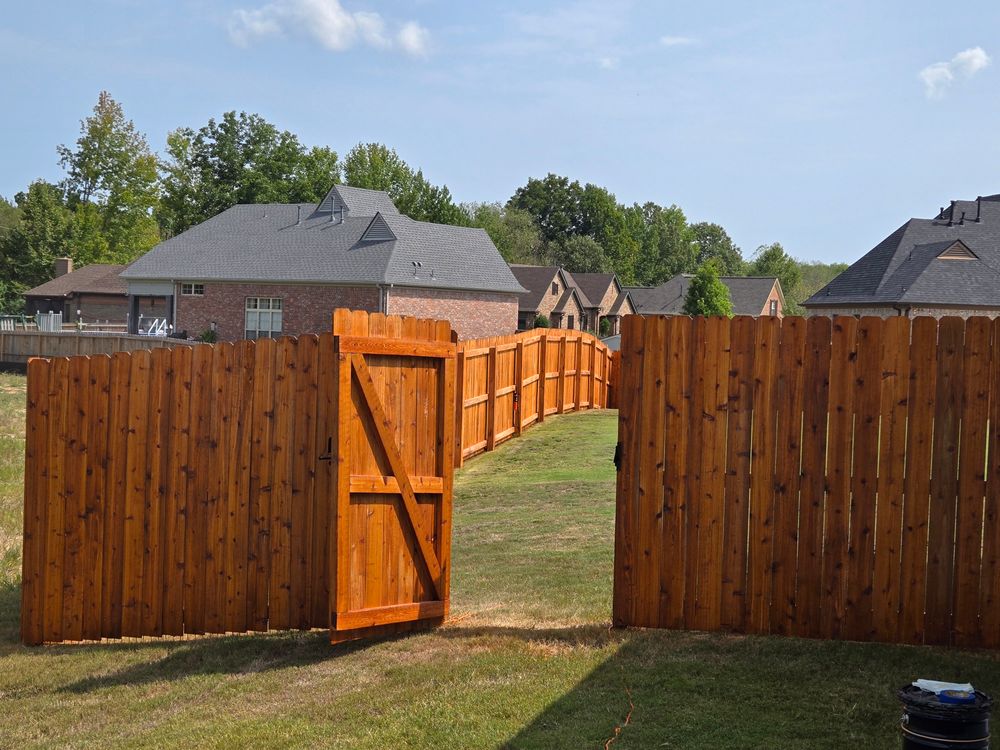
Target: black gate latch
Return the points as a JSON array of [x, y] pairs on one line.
[[618, 457]]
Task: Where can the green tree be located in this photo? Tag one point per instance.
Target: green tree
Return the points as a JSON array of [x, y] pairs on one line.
[[580, 254], [542, 321], [29, 248], [707, 295], [111, 167], [554, 204], [772, 260], [603, 219], [377, 167], [666, 246], [711, 241], [241, 158], [512, 230]]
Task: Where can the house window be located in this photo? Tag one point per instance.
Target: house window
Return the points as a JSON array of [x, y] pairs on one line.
[[774, 307], [570, 323], [193, 290], [555, 288], [263, 317]]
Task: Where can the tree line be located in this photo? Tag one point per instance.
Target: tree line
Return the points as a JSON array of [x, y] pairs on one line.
[[118, 198]]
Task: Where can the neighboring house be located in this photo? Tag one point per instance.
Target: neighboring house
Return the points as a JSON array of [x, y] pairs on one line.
[[751, 295], [267, 270], [92, 294], [948, 265], [570, 300]]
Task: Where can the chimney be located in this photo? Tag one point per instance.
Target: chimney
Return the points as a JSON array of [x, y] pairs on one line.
[[63, 266], [951, 214], [979, 208]]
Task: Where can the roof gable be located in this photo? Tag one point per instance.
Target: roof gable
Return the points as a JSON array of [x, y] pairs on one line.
[[377, 231], [958, 251], [344, 200]]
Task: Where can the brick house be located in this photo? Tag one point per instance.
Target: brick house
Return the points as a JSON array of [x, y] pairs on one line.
[[948, 265], [269, 270], [751, 295], [91, 294], [570, 300]]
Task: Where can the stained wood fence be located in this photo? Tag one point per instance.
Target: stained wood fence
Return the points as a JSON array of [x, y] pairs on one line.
[[512, 382], [294, 483], [811, 477]]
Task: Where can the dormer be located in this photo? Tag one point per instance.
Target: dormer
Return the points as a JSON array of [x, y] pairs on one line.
[[333, 204]]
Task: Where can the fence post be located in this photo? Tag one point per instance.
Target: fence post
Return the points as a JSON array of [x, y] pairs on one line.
[[491, 398], [561, 388], [579, 374], [459, 408], [519, 386], [543, 370]]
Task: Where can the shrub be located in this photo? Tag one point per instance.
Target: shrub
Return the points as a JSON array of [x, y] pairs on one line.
[[604, 327], [208, 336], [541, 321]]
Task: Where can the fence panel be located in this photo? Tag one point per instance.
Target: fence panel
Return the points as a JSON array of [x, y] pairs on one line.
[[810, 477], [195, 489], [509, 383]]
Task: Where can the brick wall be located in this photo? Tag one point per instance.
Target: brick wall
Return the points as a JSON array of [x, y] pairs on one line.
[[767, 305], [306, 308], [473, 315], [561, 320]]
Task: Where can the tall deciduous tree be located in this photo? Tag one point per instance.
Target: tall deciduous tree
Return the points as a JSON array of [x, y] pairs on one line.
[[512, 230], [711, 241], [377, 167], [29, 248], [707, 295], [580, 254], [665, 240], [772, 260], [554, 203], [241, 158], [111, 167]]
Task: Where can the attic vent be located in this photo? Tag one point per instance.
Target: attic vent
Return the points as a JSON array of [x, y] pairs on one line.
[[378, 231], [958, 251]]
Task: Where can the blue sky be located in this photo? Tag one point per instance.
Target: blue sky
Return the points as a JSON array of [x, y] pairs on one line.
[[821, 125]]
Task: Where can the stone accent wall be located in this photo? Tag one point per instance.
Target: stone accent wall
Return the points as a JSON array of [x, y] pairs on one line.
[[561, 320], [473, 315], [913, 312], [550, 300], [306, 308]]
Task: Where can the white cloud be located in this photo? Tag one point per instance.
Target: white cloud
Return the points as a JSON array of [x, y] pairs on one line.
[[327, 22], [414, 39], [939, 76], [608, 63], [677, 41]]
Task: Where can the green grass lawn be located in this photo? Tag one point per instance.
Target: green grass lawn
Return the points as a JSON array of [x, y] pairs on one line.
[[528, 661]]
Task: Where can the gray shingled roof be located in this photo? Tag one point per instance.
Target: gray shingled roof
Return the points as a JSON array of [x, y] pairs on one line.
[[594, 285], [904, 269], [98, 278], [748, 294], [537, 282], [300, 243]]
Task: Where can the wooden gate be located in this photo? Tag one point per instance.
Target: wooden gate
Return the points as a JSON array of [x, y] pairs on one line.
[[289, 484], [396, 395]]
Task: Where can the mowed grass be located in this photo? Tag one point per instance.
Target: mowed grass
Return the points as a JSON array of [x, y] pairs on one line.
[[528, 661]]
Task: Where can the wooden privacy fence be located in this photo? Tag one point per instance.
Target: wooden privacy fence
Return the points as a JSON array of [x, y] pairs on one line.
[[293, 483], [511, 382], [809, 477]]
